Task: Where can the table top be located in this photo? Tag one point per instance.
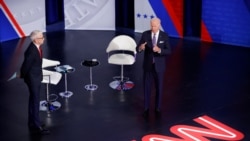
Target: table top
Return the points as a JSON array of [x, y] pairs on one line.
[[64, 69], [90, 62]]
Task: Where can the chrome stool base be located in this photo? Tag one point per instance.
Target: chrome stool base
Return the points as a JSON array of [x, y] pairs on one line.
[[66, 94], [121, 85], [91, 87], [49, 106]]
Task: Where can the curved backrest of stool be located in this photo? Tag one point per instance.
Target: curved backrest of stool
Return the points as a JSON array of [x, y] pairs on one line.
[[121, 50], [49, 63], [51, 77]]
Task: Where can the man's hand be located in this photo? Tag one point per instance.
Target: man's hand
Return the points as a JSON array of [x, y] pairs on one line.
[[142, 46], [156, 49]]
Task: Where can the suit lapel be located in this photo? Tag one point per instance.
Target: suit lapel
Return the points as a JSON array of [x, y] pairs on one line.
[[150, 39], [37, 51], [159, 38]]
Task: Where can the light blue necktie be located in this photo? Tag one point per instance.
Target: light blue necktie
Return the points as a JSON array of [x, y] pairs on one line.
[[154, 44], [154, 40]]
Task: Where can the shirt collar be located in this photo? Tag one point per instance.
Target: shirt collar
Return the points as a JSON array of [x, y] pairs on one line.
[[157, 33], [36, 45]]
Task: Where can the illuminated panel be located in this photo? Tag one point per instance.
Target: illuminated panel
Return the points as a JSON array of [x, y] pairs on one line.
[[171, 14], [12, 29], [19, 16], [226, 22]]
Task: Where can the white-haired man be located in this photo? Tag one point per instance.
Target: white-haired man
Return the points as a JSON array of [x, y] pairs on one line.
[[31, 72], [155, 45]]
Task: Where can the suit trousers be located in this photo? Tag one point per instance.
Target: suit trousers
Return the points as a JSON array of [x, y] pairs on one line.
[[153, 79], [34, 102]]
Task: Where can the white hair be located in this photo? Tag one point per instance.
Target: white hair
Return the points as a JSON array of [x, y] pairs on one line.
[[35, 34], [156, 20]]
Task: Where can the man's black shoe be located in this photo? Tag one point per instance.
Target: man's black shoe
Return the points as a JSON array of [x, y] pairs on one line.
[[39, 130], [158, 112], [146, 113]]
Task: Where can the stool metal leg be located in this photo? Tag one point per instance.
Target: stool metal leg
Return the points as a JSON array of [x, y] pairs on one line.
[[90, 75], [91, 86], [50, 104], [66, 93]]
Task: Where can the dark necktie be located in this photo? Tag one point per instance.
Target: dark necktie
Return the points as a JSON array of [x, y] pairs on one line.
[[41, 52]]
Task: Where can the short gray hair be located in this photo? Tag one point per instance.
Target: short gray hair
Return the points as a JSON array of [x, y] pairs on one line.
[[156, 20], [35, 34]]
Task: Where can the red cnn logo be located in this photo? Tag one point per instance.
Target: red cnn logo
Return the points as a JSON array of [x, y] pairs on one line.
[[215, 129]]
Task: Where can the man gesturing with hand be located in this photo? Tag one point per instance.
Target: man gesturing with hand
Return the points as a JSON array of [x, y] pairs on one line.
[[154, 44]]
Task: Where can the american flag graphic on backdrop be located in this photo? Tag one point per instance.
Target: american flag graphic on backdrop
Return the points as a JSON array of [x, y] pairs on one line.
[[17, 18], [170, 12], [143, 14]]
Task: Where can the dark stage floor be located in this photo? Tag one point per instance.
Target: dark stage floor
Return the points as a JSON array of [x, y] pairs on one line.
[[202, 80]]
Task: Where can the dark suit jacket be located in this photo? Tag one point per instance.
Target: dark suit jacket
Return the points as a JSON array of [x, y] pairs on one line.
[[31, 69], [159, 58]]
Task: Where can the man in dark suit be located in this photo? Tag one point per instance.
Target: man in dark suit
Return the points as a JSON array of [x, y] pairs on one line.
[[155, 45], [31, 72]]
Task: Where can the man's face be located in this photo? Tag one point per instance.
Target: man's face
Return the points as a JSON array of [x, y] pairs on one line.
[[40, 39], [155, 26]]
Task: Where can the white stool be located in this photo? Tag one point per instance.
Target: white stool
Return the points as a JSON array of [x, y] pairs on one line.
[[121, 51], [50, 103]]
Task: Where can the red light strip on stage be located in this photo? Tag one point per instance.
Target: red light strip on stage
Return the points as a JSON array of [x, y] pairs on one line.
[[11, 19], [215, 129]]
